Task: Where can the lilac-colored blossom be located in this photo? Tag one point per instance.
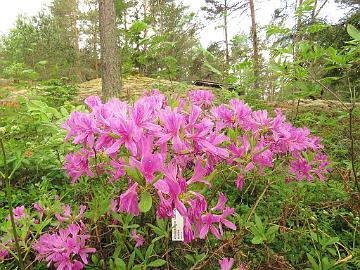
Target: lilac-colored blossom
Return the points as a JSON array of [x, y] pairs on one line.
[[137, 237], [226, 263], [128, 201], [66, 249], [201, 97]]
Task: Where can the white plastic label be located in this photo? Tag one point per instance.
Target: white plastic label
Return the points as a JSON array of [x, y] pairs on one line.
[[177, 226]]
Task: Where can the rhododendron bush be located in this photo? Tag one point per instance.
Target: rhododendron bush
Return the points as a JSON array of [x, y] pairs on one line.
[[163, 154], [169, 150]]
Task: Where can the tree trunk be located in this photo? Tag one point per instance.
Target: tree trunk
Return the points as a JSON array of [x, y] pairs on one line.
[[296, 38], [226, 35], [145, 19], [161, 19], [75, 37], [254, 44], [94, 41], [110, 75], [313, 12]]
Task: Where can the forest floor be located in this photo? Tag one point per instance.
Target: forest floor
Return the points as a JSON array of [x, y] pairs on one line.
[[134, 86]]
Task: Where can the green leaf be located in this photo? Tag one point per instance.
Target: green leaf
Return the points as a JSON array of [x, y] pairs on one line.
[[313, 262], [134, 174], [197, 186], [157, 178], [111, 264], [332, 251], [257, 240], [139, 254], [157, 230], [157, 263], [272, 230], [314, 236], [149, 251], [353, 32], [211, 176], [157, 239], [131, 260], [232, 134], [258, 223], [145, 202], [64, 112], [200, 257], [331, 241], [94, 259], [189, 258], [120, 264]]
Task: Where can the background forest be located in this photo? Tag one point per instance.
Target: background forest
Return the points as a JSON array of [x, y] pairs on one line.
[[300, 62], [160, 39]]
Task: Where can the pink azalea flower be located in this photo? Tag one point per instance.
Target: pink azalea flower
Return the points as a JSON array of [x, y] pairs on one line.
[[41, 210], [198, 206], [149, 164], [92, 102], [77, 164], [261, 119], [240, 181], [221, 203], [65, 249], [201, 97], [223, 221], [205, 140], [301, 169], [114, 205], [19, 212], [173, 187], [188, 232], [242, 114], [190, 143], [4, 253], [212, 143], [117, 168], [208, 221], [66, 215], [172, 121], [138, 238], [199, 174], [224, 117], [82, 127], [320, 165], [129, 201], [226, 263], [173, 190], [143, 114], [128, 134], [165, 208]]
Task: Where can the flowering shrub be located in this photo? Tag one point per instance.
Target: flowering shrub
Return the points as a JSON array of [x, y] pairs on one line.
[[155, 156], [169, 149]]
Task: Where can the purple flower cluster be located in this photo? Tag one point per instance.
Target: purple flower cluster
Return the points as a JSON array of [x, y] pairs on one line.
[[65, 249], [176, 146]]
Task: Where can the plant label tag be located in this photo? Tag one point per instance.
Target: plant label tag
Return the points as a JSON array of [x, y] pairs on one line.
[[177, 226]]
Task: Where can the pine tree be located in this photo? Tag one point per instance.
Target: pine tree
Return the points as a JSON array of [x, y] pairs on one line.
[[216, 9], [65, 17], [254, 44], [110, 72]]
